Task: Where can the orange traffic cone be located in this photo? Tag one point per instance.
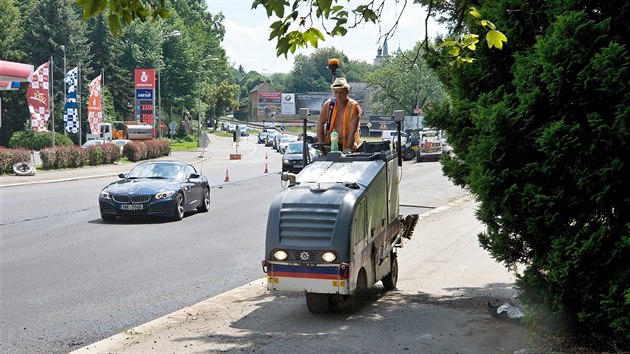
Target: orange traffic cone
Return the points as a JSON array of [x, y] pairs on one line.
[[265, 156], [227, 177], [266, 169]]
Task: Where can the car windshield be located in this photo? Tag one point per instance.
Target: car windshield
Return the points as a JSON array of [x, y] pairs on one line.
[[294, 148], [157, 170]]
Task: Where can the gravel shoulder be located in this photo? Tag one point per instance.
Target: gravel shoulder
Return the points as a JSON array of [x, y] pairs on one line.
[[446, 281]]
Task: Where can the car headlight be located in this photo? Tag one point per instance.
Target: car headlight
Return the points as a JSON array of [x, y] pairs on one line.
[[105, 194], [285, 161], [329, 257], [280, 255], [163, 195]]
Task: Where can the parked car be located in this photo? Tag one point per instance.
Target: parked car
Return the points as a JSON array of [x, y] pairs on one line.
[[165, 188], [93, 142], [120, 143], [293, 160], [284, 141]]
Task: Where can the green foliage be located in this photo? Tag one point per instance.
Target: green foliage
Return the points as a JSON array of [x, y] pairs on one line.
[[402, 84], [123, 11], [9, 157], [540, 132], [36, 141]]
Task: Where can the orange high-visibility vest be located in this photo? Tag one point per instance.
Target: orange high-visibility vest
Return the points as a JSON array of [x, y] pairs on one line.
[[332, 115]]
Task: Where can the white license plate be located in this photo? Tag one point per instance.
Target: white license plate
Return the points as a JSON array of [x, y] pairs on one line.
[[131, 207]]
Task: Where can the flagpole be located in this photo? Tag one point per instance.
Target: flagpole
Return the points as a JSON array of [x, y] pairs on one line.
[[79, 102], [51, 98], [63, 48]]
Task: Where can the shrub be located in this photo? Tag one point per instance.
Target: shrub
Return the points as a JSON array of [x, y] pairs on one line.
[[135, 151], [9, 157]]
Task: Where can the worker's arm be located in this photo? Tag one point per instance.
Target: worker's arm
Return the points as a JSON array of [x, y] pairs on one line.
[[321, 121]]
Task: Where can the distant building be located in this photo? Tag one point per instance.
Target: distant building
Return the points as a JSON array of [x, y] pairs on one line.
[[265, 101], [381, 53]]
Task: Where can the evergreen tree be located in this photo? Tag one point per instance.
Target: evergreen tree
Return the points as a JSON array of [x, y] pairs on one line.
[[14, 109], [50, 25]]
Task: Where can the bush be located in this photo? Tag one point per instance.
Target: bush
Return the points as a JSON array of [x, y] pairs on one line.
[[28, 139], [150, 149], [135, 151], [9, 157]]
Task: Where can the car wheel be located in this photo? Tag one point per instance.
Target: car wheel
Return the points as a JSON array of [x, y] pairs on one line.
[[178, 213], [204, 204]]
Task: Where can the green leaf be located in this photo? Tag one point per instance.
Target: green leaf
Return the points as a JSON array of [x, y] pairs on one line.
[[114, 24], [454, 51], [496, 39], [473, 11], [486, 23], [448, 43]]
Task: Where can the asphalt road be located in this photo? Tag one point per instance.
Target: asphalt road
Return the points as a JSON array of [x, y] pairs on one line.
[[68, 280]]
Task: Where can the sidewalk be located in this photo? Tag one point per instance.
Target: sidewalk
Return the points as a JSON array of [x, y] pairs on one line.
[[437, 308]]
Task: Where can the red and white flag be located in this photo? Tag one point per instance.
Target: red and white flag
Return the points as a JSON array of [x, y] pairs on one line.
[[37, 97], [95, 107]]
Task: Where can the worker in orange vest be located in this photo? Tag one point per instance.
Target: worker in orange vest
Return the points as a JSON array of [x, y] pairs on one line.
[[341, 114]]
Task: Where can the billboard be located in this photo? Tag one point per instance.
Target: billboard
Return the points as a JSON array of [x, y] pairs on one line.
[[313, 101], [269, 103], [288, 103]]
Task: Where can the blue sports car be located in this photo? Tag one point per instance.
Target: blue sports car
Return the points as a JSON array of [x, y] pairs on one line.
[[156, 188]]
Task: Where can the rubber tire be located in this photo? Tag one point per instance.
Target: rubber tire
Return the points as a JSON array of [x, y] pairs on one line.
[[318, 303], [408, 154], [178, 212], [391, 279], [204, 205]]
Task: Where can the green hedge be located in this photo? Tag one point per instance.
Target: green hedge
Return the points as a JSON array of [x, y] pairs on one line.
[[9, 157]]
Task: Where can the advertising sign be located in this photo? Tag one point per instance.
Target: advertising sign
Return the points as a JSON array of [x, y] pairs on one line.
[[145, 78], [269, 103], [288, 103], [144, 94], [382, 122], [312, 101]]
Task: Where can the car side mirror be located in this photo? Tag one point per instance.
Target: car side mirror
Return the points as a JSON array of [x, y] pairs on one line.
[[122, 175], [194, 176]]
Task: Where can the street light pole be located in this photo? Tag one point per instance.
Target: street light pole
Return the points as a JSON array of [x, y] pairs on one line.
[[210, 57], [175, 33]]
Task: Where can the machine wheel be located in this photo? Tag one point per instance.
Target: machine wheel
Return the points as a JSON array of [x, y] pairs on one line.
[[318, 303], [408, 154], [391, 279], [204, 205], [178, 213]]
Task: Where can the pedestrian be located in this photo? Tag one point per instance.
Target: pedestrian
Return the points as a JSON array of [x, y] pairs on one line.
[[342, 114]]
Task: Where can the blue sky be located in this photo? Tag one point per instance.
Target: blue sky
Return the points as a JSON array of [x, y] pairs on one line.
[[247, 33]]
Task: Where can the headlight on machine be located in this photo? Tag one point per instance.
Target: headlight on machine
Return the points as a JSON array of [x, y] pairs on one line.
[[280, 255], [285, 161], [105, 194], [329, 257], [163, 195]]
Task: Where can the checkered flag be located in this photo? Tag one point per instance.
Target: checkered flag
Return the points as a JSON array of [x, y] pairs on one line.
[[70, 109], [37, 95], [95, 109]]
